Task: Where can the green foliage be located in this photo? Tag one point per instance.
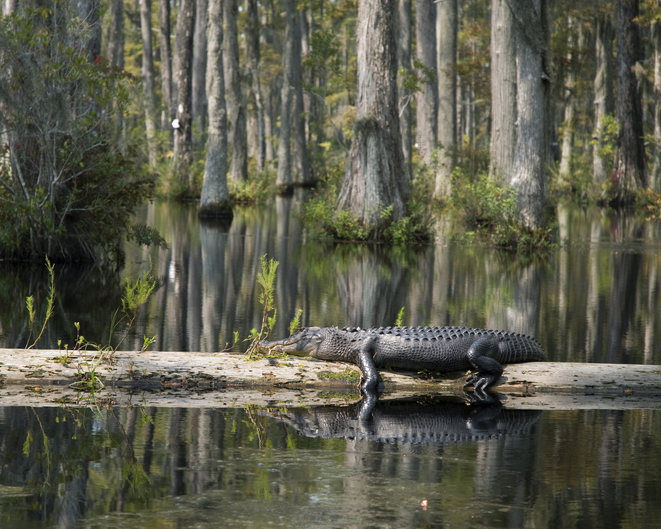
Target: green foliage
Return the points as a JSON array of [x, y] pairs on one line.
[[399, 322], [69, 191], [50, 305], [256, 188], [323, 221], [295, 322], [266, 278], [489, 211]]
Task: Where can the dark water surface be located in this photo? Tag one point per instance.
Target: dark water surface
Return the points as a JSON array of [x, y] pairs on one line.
[[594, 300], [199, 468]]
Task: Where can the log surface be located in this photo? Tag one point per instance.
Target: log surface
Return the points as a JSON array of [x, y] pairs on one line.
[[172, 379]]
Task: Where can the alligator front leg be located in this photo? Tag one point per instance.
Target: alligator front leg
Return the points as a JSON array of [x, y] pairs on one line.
[[365, 361], [487, 370]]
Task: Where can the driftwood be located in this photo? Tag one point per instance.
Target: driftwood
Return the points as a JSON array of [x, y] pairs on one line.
[[44, 378]]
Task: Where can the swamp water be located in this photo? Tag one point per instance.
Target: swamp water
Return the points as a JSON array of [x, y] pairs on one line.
[[596, 299]]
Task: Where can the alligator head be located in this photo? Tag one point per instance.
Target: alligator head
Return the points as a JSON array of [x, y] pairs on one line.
[[305, 342]]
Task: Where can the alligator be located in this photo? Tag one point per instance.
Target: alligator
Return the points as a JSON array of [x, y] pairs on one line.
[[430, 422], [436, 349]]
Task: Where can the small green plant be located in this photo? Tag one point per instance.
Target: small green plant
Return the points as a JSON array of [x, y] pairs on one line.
[[295, 323], [400, 318], [266, 278], [50, 303]]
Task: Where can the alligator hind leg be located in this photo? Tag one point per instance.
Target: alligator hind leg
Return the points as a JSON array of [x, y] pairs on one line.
[[487, 369]]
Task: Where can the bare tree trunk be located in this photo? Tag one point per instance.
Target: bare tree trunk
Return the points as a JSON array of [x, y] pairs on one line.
[[427, 98], [630, 165], [284, 177], [200, 65], [149, 94], [530, 158], [252, 58], [9, 6], [183, 75], [603, 93], [167, 112], [503, 91], [300, 154], [404, 63], [116, 34], [377, 175], [236, 107], [655, 179], [214, 200], [569, 125], [447, 21]]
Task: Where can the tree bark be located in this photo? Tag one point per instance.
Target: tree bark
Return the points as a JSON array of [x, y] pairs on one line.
[[167, 112], [503, 91], [88, 11], [214, 200], [569, 125], [252, 58], [236, 107], [404, 63], [630, 165], [200, 65], [655, 178], [184, 68], [300, 155], [116, 34], [284, 178], [446, 27], [149, 95], [377, 175], [530, 156], [603, 93], [427, 97]]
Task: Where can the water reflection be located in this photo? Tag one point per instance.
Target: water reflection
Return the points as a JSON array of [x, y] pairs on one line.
[[595, 299], [137, 467]]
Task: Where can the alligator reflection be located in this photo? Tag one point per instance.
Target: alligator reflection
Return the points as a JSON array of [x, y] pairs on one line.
[[428, 421]]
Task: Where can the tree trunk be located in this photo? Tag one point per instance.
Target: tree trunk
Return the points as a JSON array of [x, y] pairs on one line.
[[655, 179], [404, 63], [88, 11], [284, 178], [183, 76], [300, 155], [447, 21], [214, 200], [530, 156], [569, 125], [603, 93], [149, 94], [116, 34], [236, 107], [503, 91], [630, 165], [200, 65], [427, 97], [167, 112], [252, 58], [377, 175]]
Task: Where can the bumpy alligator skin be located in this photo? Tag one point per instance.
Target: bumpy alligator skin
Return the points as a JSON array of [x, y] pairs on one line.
[[438, 349]]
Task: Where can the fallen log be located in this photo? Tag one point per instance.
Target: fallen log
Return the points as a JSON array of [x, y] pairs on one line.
[[47, 377]]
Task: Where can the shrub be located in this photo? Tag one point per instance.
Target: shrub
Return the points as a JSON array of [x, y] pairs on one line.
[[66, 190]]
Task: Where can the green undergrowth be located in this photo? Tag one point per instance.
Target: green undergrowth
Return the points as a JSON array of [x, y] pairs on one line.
[[323, 221], [488, 212], [87, 356]]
